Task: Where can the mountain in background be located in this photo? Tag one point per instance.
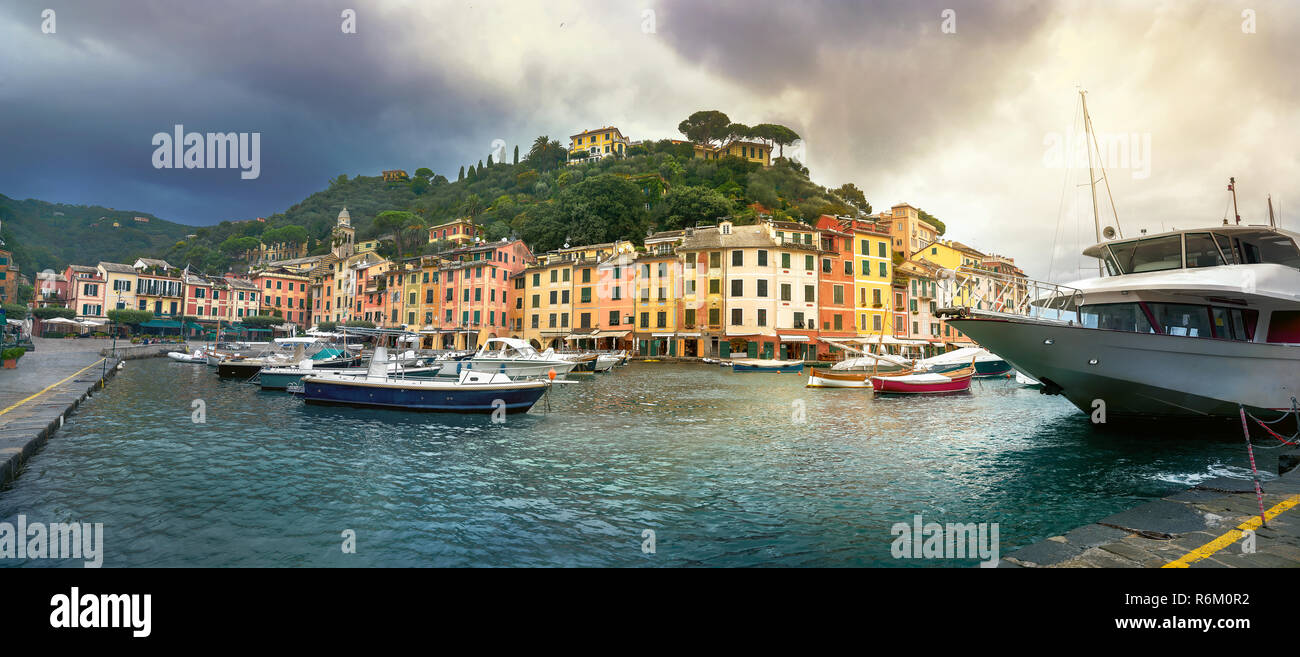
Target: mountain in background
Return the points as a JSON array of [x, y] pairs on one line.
[[547, 203], [45, 235]]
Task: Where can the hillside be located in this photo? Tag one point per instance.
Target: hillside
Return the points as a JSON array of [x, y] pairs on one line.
[[658, 186], [51, 235]]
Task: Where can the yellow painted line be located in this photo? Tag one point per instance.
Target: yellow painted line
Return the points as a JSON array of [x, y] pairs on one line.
[[47, 388], [1233, 536]]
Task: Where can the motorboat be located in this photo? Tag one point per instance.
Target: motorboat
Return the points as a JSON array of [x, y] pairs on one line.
[[284, 378], [512, 357], [471, 392], [198, 356], [766, 365], [867, 362], [322, 354], [987, 364], [1184, 324]]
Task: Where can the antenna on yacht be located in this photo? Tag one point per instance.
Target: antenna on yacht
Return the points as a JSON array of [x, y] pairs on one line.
[[1232, 187], [1272, 222]]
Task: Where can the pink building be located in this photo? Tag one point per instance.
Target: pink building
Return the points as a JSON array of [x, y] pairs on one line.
[[85, 291]]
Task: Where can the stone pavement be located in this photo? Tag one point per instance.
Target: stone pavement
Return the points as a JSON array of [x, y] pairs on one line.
[[48, 384], [1204, 527]]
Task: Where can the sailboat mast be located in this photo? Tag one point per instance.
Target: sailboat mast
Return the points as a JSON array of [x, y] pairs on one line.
[[1092, 180]]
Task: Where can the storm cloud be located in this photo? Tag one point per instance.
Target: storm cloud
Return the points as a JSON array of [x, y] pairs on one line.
[[958, 122]]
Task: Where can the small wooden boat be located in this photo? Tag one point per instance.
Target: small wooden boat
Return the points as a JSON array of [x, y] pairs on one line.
[[831, 379], [766, 365], [923, 383]]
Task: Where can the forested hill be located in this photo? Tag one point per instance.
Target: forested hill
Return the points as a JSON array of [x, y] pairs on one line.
[[50, 235], [541, 199]]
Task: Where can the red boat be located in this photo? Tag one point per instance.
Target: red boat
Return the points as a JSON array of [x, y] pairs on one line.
[[923, 383]]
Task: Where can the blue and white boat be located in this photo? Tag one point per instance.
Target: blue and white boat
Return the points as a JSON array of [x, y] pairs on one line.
[[987, 363], [471, 392], [766, 365]]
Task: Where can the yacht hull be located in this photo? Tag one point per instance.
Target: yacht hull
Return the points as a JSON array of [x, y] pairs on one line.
[[1142, 375]]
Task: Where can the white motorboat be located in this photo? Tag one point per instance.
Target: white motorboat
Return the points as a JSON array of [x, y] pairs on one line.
[[1187, 324], [199, 356], [512, 357]]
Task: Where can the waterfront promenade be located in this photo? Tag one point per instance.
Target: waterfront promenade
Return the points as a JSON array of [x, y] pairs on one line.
[[1208, 526], [47, 384]]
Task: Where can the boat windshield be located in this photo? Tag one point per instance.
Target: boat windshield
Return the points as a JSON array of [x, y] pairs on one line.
[[1201, 249], [1115, 317]]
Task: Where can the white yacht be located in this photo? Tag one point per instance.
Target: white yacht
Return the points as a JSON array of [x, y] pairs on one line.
[[1186, 324], [514, 358]]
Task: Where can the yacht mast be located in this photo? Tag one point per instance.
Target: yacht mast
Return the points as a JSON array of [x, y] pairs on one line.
[[1092, 180], [1232, 187], [1272, 222]]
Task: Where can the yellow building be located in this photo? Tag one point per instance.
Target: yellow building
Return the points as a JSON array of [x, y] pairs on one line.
[[952, 255], [458, 233], [873, 278], [550, 293], [598, 143], [909, 231], [750, 151]]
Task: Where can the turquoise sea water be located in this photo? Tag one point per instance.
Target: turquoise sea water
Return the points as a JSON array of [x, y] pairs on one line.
[[727, 469]]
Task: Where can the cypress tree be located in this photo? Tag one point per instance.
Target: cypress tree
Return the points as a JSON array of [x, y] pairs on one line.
[[461, 176], [516, 153]]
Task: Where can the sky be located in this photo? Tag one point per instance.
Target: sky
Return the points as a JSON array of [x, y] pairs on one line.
[[965, 109]]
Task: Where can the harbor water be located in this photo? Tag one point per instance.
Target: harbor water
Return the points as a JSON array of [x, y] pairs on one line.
[[726, 469]]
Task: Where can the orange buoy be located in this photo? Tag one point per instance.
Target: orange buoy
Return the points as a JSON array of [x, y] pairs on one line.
[[551, 374]]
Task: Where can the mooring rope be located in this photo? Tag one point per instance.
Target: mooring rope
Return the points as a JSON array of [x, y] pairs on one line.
[[1259, 492]]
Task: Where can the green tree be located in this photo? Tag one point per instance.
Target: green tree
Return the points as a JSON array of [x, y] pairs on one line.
[[129, 316], [546, 154], [461, 176], [15, 311], [516, 154], [603, 208], [689, 205], [705, 127], [424, 172], [51, 312], [403, 225], [849, 193], [933, 220]]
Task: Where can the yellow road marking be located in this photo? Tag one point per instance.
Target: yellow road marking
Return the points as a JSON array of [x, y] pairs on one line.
[[1233, 536], [47, 388]]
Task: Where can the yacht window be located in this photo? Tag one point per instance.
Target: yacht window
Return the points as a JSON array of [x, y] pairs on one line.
[[1115, 317], [1156, 254], [1249, 252], [1202, 251], [1284, 326], [1229, 247], [1278, 249], [1243, 323], [1111, 268], [1182, 319]]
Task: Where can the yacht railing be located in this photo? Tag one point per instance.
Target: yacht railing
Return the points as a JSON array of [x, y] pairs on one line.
[[999, 293]]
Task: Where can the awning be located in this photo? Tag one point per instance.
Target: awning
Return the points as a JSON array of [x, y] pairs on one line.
[[612, 334], [793, 338], [163, 324], [581, 336], [688, 335], [663, 335]]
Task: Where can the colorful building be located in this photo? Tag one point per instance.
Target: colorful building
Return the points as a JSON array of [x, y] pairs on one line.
[[86, 291], [284, 294], [459, 233], [598, 143]]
